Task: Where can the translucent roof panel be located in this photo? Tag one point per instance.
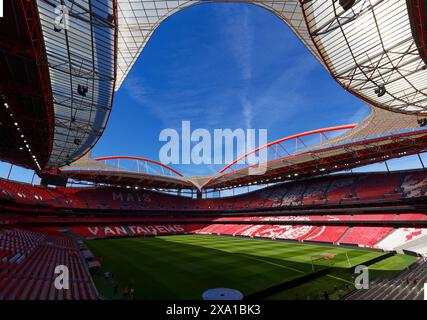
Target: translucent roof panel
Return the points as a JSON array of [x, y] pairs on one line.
[[370, 50], [81, 66]]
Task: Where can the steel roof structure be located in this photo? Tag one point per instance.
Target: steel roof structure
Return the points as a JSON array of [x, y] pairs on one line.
[[371, 51], [285, 165], [368, 47], [147, 172], [326, 160], [80, 55], [26, 111], [76, 55]]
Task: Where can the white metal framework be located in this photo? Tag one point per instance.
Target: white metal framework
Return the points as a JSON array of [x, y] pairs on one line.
[[369, 49]]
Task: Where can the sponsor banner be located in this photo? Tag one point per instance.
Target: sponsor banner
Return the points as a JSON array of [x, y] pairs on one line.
[[115, 231], [129, 230], [141, 230]]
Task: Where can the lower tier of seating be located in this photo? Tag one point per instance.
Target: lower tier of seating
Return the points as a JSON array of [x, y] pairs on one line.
[[28, 260], [368, 236], [327, 234], [408, 285]]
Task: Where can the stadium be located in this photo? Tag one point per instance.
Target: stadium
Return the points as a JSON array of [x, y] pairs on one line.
[[123, 227]]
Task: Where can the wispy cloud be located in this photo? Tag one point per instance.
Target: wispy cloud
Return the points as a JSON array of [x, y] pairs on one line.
[[285, 96], [247, 111], [238, 33], [170, 107], [198, 104], [135, 88]]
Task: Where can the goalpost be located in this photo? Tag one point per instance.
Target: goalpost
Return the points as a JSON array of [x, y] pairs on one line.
[[327, 257]]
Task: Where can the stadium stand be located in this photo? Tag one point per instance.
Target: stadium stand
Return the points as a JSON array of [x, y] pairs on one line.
[[377, 186], [340, 189], [410, 216], [294, 196], [414, 184], [408, 285], [401, 236], [28, 259], [335, 190], [365, 236], [315, 193], [329, 234], [367, 217], [29, 254]]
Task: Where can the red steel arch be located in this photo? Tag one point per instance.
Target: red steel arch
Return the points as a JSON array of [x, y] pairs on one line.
[[141, 159], [321, 131], [221, 173]]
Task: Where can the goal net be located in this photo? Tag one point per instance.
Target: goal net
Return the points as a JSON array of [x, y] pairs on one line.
[[322, 260], [327, 259]]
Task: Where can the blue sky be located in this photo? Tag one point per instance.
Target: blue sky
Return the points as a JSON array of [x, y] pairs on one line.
[[224, 66]]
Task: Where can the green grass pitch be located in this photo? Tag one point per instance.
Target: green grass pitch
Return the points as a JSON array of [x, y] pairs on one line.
[[183, 267]]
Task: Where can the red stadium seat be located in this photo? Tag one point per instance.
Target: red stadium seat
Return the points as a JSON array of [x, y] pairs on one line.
[[30, 276]]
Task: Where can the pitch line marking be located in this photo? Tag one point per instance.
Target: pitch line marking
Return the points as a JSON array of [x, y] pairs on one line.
[[275, 264], [338, 278], [425, 291]]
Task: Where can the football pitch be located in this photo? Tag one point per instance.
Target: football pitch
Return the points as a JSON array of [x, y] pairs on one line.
[[183, 267]]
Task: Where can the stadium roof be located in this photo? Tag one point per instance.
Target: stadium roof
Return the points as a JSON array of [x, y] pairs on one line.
[[375, 49], [81, 64], [369, 48], [315, 160], [26, 113]]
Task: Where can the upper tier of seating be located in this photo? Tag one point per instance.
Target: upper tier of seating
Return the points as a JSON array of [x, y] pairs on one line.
[[338, 189]]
